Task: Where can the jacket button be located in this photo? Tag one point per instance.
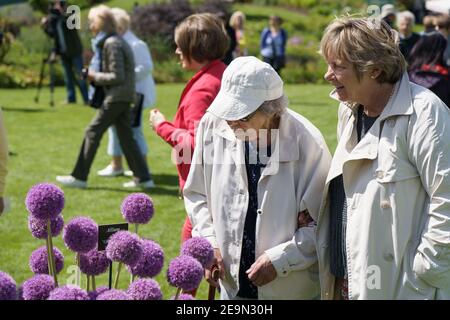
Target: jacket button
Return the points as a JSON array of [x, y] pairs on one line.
[[385, 204], [259, 211], [391, 123], [380, 174], [388, 256]]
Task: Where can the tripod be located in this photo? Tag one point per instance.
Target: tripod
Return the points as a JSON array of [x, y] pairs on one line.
[[50, 60]]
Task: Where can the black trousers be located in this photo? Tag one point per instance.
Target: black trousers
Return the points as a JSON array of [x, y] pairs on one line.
[[118, 114]]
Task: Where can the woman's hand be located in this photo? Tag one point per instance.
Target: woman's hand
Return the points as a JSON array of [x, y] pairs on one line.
[[217, 263], [262, 271], [156, 118]]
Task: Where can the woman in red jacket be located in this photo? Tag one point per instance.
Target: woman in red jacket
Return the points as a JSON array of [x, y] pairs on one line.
[[201, 42]]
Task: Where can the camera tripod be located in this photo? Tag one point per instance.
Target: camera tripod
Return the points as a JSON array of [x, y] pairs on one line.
[[50, 60]]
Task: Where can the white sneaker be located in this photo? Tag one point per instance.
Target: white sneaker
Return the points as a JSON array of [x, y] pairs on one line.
[[144, 185], [128, 173], [110, 172], [72, 182]]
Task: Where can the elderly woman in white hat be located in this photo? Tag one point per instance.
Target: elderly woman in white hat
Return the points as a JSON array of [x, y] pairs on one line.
[[255, 185]]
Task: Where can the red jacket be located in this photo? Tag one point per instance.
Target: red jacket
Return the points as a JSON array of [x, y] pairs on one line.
[[198, 94]]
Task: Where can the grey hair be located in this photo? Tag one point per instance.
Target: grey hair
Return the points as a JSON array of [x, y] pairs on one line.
[[275, 107], [406, 15]]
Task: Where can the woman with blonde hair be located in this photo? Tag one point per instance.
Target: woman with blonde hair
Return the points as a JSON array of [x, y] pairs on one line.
[[237, 21], [384, 225]]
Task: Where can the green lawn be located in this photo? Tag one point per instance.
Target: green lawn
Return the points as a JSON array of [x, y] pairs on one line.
[[44, 142]]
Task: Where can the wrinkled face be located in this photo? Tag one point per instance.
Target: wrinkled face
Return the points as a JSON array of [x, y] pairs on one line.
[[342, 76], [405, 26], [247, 128]]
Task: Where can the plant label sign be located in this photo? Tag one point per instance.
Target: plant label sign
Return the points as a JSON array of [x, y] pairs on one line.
[[106, 231]]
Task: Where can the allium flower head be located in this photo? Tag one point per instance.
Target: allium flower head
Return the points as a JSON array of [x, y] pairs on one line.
[[200, 249], [114, 294], [137, 208], [38, 287], [145, 289], [125, 247], [183, 296], [39, 264], [45, 201], [94, 294], [81, 234], [8, 287], [185, 272], [68, 293], [150, 262], [38, 227], [94, 262]]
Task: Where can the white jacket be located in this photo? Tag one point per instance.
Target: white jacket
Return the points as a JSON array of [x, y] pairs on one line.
[[397, 185], [143, 68], [216, 199]]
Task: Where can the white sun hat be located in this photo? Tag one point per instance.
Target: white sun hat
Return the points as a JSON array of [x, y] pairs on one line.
[[246, 84]]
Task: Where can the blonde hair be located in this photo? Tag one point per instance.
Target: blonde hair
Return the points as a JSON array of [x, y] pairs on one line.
[[122, 19], [234, 19], [202, 37], [364, 43], [103, 17]]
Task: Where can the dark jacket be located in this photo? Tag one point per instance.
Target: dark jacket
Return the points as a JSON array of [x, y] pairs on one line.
[[435, 79], [117, 75], [67, 41]]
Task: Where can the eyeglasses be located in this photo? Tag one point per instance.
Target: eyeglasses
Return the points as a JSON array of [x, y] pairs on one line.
[[247, 118]]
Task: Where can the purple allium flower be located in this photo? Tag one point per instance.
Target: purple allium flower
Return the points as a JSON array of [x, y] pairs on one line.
[[38, 227], [200, 249], [20, 293], [8, 287], [38, 287], [81, 234], [114, 294], [145, 289], [185, 272], [183, 296], [150, 262], [68, 293], [39, 262], [137, 208], [94, 294], [45, 201], [94, 262], [125, 247]]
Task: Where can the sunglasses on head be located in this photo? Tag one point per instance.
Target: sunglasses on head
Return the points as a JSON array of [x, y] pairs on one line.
[[247, 118]]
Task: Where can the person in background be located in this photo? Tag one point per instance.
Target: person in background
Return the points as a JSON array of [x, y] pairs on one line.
[[237, 21], [68, 46], [388, 14], [408, 38], [255, 187], [201, 42], [383, 230], [228, 57], [429, 25], [145, 85], [3, 162], [443, 27], [117, 78], [427, 67], [273, 43]]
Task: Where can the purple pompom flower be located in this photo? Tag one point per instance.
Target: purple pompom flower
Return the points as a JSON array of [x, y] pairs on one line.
[[137, 208], [38, 227], [150, 262], [68, 293], [8, 287], [145, 289], [81, 234], [94, 262], [39, 261], [45, 201], [200, 249], [38, 287], [183, 296], [114, 294], [185, 272], [94, 294], [124, 247], [20, 293]]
